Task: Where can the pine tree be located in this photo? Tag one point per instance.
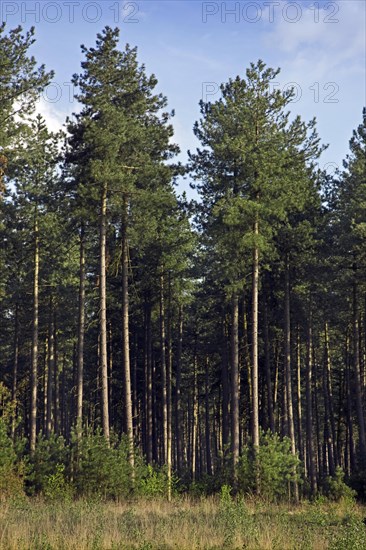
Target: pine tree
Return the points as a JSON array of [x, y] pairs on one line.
[[32, 169], [253, 171], [126, 142]]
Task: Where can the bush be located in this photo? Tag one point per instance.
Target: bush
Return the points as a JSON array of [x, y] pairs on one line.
[[274, 466], [336, 489], [49, 455], [11, 472], [103, 471], [56, 486], [152, 481]]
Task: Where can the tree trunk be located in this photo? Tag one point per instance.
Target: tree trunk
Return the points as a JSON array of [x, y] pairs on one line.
[[309, 410], [207, 421], [298, 399], [15, 371], [178, 379], [51, 368], [103, 313], [149, 387], [194, 419], [34, 358], [255, 291], [247, 361], [268, 371], [110, 374], [357, 378], [81, 332], [235, 382], [290, 412], [329, 408], [56, 377], [225, 389], [126, 337], [350, 453], [169, 392], [164, 406]]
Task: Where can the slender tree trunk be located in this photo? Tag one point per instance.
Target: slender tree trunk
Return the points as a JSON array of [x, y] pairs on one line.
[[235, 382], [247, 361], [126, 337], [149, 387], [110, 374], [134, 395], [299, 400], [255, 291], [56, 377], [317, 417], [178, 379], [155, 427], [207, 420], [357, 378], [169, 392], [51, 368], [194, 419], [15, 371], [34, 358], [225, 389], [309, 409], [45, 384], [268, 371], [103, 313], [276, 411], [81, 332], [164, 406], [290, 413], [350, 455], [329, 408]]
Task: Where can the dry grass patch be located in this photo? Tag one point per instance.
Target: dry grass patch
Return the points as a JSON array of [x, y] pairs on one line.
[[184, 524]]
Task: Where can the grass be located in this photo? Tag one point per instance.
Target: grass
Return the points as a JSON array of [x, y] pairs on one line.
[[184, 524]]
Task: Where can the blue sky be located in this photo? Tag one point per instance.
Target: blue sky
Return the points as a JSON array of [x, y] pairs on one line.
[[193, 46]]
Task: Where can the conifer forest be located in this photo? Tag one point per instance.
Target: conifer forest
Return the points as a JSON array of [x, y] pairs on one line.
[[158, 346]]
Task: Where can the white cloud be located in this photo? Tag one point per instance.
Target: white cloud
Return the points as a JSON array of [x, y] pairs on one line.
[[53, 115], [324, 47]]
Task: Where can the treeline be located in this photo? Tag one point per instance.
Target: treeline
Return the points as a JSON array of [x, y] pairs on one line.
[[195, 328]]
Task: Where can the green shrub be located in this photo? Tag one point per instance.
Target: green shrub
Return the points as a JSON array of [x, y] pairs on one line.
[[235, 519], [274, 466], [152, 481], [336, 489], [46, 460], [11, 472], [56, 486], [103, 470]]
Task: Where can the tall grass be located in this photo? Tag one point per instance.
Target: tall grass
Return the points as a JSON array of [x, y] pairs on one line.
[[186, 524]]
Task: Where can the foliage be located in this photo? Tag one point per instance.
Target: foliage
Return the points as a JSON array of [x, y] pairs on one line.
[[50, 456], [11, 471], [352, 534], [152, 481], [274, 464], [260, 197], [56, 486], [103, 470], [336, 489]]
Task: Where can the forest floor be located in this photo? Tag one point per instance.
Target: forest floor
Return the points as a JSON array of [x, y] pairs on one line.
[[184, 524]]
